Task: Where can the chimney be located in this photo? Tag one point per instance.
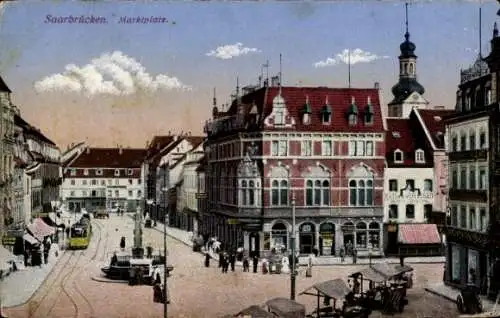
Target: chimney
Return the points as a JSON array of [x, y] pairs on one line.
[[120, 149], [88, 150], [157, 146], [189, 133], [376, 85], [170, 133]]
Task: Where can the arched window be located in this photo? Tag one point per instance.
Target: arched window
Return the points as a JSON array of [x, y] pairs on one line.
[[454, 143], [353, 198], [411, 69], [374, 234], [279, 236], [361, 235], [279, 192], [251, 193], [361, 192], [244, 188], [482, 140], [472, 140], [317, 192]]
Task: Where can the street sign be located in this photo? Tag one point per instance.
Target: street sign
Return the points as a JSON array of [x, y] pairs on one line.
[[232, 221]]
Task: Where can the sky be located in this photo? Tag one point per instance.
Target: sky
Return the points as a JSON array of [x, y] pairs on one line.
[[112, 83]]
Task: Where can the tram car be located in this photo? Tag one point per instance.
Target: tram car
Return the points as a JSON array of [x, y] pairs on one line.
[[80, 234]]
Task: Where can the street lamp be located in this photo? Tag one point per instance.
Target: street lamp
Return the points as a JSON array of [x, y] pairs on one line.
[[292, 242]]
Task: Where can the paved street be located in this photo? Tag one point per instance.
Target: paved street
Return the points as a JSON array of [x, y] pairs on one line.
[[195, 290]]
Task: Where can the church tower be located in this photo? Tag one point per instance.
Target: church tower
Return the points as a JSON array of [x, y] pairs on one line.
[[408, 91]]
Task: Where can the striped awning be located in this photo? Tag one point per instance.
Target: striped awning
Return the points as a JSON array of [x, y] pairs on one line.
[[418, 234], [39, 229]]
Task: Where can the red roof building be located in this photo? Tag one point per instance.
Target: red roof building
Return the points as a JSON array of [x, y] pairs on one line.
[[100, 178], [416, 178], [321, 148]]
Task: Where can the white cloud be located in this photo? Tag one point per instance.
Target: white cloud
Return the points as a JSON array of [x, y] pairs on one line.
[[356, 56], [114, 74], [229, 51]]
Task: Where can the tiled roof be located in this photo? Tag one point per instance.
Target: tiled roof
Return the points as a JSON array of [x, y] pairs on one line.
[[158, 143], [156, 157], [434, 121], [109, 158], [340, 100], [400, 136], [418, 234], [3, 86], [31, 131], [195, 141]]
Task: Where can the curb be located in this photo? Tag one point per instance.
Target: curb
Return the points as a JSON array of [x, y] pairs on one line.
[[107, 280], [43, 282], [438, 294]]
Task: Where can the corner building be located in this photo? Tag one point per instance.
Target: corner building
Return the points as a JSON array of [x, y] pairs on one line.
[[473, 253], [322, 146]]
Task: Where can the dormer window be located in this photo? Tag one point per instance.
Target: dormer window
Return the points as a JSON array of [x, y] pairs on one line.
[[98, 172], [352, 113], [306, 112], [86, 172], [398, 156], [130, 172], [72, 172], [369, 112], [117, 172], [419, 156], [326, 112], [488, 96]]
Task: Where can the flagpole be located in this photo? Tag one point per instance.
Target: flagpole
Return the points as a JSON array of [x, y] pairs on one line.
[[349, 67]]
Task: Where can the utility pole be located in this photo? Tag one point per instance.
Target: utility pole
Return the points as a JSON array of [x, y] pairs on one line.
[[165, 216], [292, 242]]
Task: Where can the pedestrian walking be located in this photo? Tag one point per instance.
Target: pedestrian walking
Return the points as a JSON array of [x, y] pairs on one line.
[[342, 254], [207, 259], [226, 262], [122, 242], [354, 256], [232, 261], [255, 263], [246, 265], [221, 259]]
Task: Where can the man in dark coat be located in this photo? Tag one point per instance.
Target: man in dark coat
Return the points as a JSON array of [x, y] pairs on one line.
[[246, 265], [232, 261], [225, 266], [221, 259], [255, 263], [207, 259]]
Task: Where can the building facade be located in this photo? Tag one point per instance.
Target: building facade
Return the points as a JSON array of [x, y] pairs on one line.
[[473, 139], [7, 111], [322, 148], [104, 178], [189, 190]]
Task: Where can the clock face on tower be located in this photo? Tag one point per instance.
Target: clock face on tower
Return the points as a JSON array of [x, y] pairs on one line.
[[415, 96]]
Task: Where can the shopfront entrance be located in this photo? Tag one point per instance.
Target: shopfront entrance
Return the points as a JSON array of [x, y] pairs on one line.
[[307, 239], [327, 239]]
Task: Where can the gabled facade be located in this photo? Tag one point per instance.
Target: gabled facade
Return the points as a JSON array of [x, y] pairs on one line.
[[322, 148], [99, 178], [473, 144], [413, 182]]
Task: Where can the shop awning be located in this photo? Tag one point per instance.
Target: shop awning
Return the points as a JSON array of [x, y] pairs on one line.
[[418, 234], [30, 239], [40, 229]]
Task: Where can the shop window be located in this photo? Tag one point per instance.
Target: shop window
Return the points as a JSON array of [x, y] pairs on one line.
[[361, 235]]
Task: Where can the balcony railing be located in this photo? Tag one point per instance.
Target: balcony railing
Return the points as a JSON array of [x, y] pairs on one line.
[[481, 154], [468, 195]]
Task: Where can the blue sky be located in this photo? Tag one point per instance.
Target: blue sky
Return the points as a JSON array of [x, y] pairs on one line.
[[445, 33]]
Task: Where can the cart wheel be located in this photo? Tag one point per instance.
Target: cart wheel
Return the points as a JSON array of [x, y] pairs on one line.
[[460, 305]]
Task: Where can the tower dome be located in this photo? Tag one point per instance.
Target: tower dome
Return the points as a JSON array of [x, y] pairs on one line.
[[407, 47]]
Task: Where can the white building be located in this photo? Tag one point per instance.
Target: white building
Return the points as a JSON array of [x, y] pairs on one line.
[[98, 178], [187, 194]]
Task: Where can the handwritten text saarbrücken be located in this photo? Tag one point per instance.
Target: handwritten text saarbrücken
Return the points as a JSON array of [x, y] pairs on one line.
[[75, 19]]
